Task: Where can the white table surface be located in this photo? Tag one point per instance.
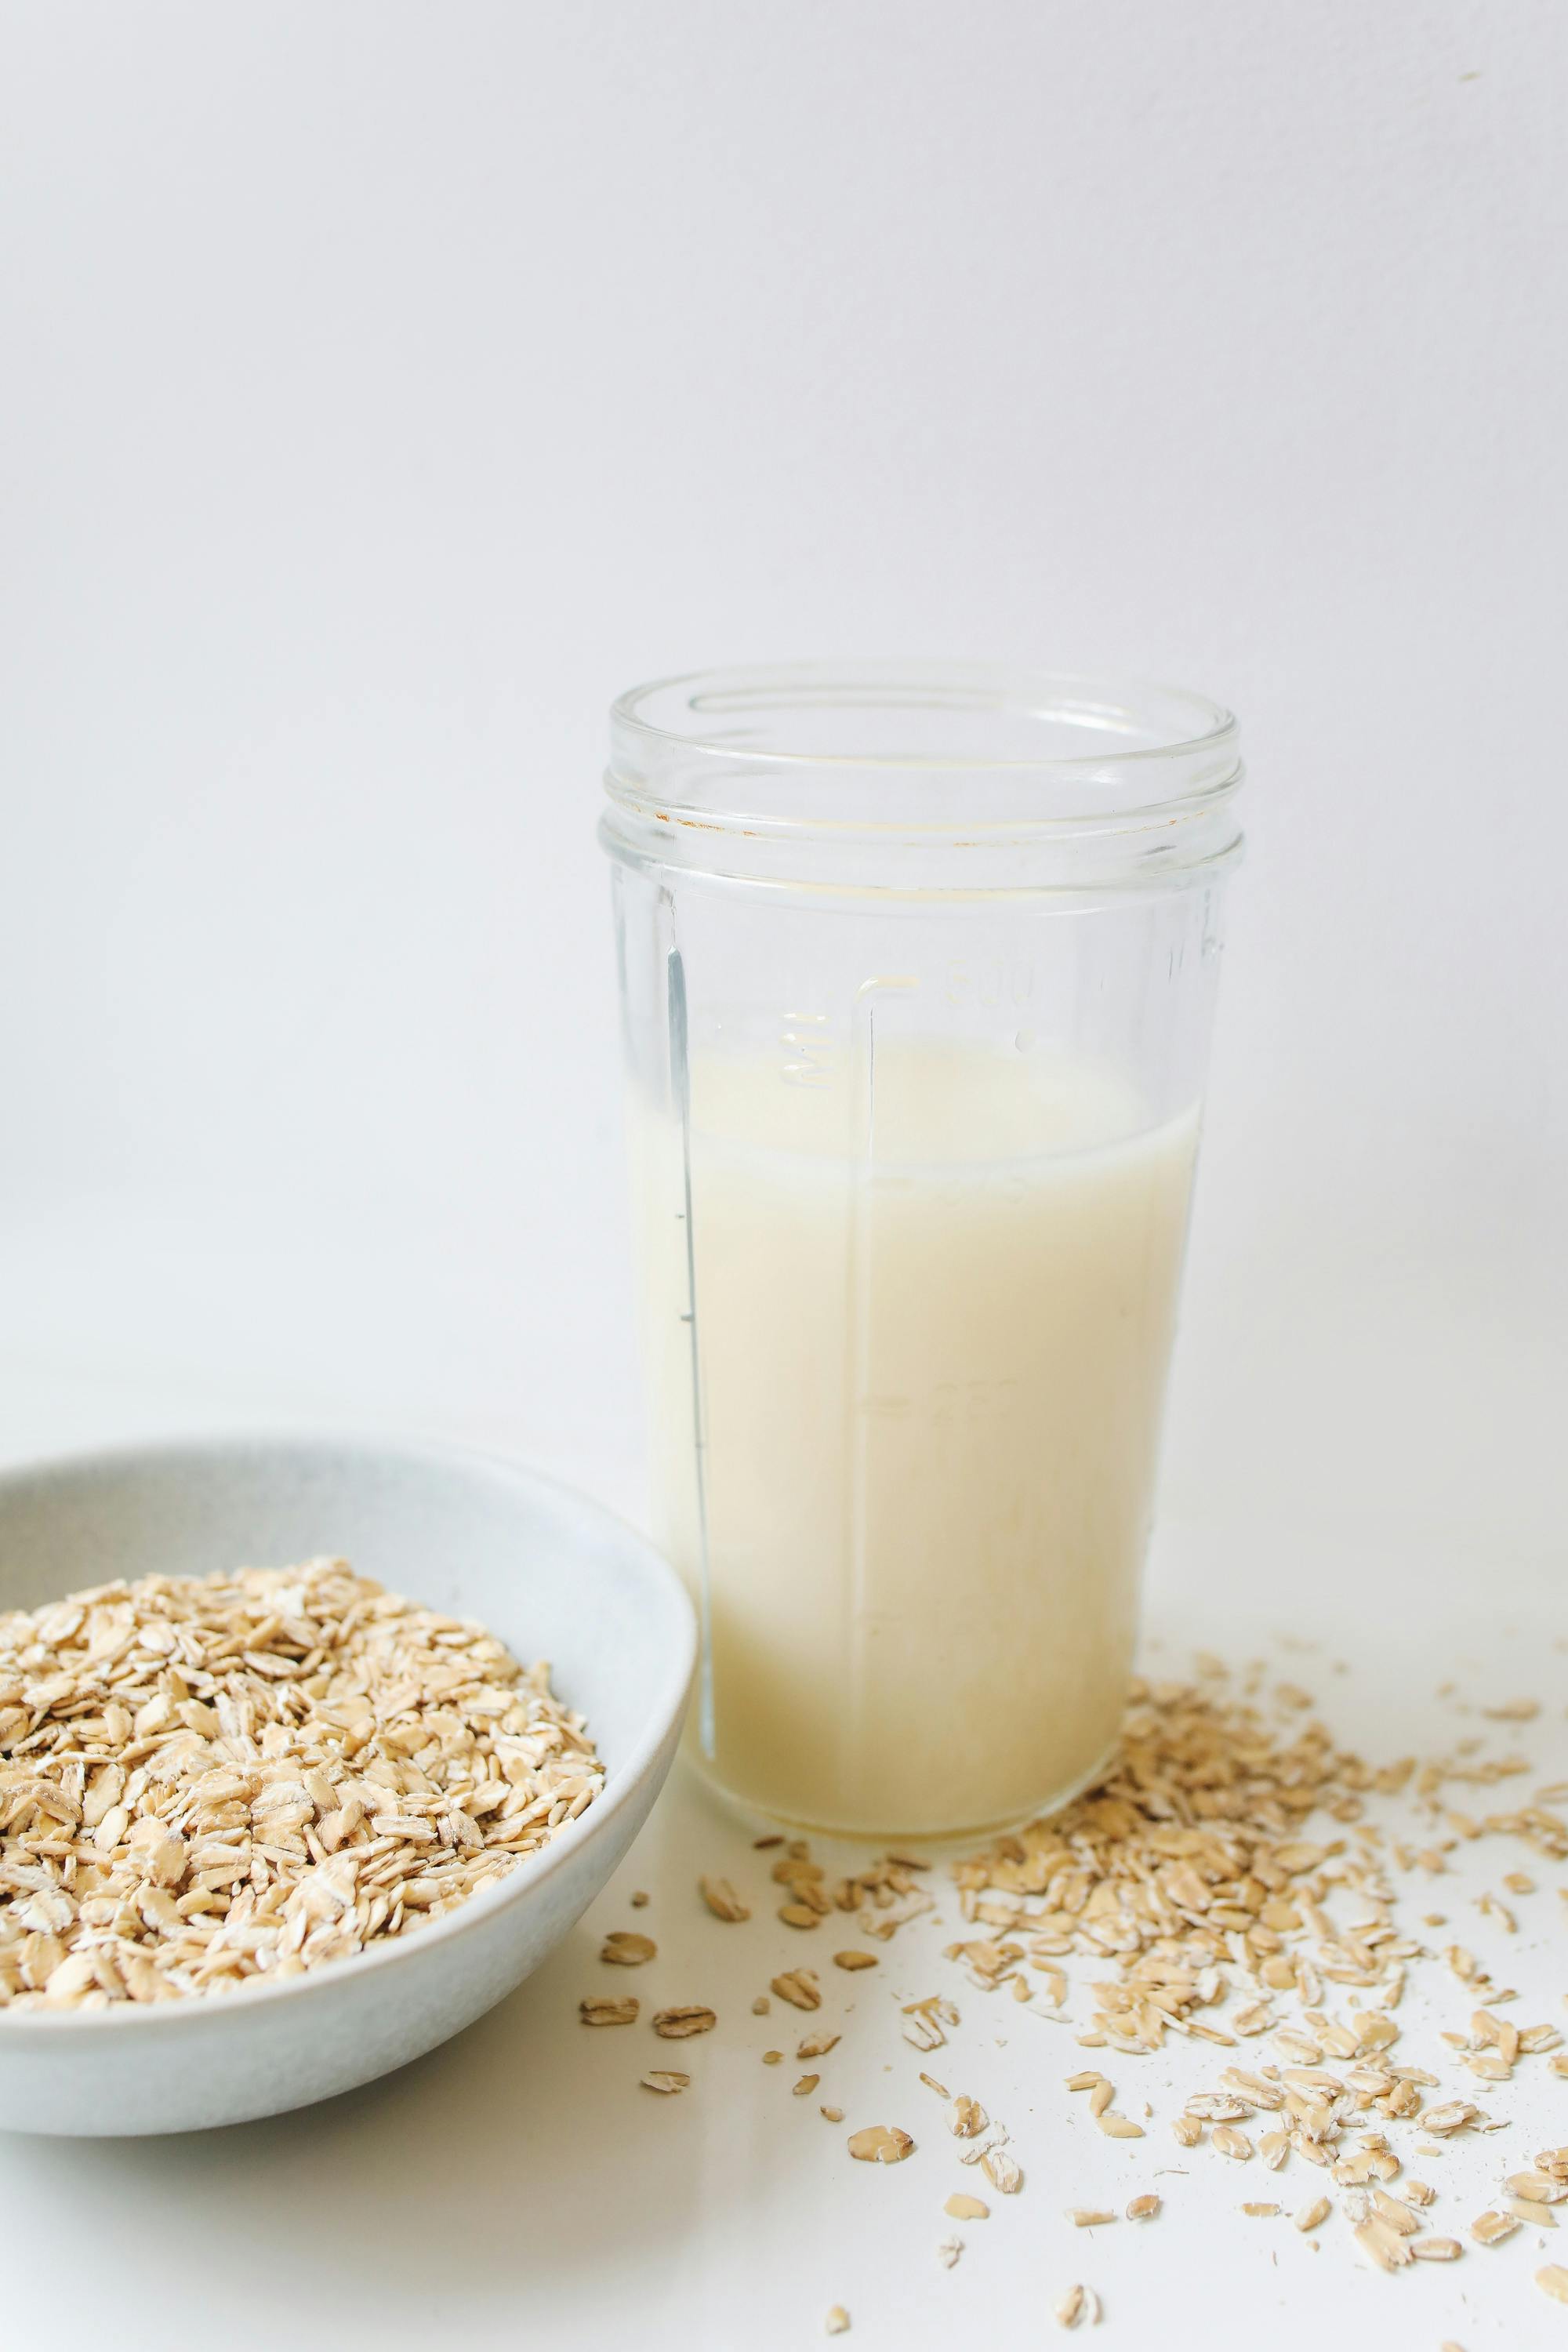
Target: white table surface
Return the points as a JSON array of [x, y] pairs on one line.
[[518, 2185]]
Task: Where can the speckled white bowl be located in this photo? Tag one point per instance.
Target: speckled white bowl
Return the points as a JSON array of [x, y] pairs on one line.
[[553, 1575]]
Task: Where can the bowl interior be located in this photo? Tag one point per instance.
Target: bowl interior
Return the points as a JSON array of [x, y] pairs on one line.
[[552, 1574]]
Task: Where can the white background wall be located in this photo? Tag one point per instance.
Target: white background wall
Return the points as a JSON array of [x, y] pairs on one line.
[[385, 384]]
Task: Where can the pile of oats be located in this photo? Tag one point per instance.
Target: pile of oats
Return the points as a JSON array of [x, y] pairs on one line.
[[1187, 1875], [1242, 1886], [204, 1781]]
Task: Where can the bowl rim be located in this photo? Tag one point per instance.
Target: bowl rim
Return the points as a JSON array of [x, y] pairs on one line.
[[674, 1688]]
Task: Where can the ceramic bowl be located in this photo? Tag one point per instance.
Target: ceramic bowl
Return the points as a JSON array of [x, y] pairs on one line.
[[552, 1574]]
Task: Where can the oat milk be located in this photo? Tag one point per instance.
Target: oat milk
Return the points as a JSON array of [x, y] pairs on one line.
[[908, 1337]]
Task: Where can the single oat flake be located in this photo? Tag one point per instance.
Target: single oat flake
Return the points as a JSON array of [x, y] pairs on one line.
[[627, 1950], [680, 2024], [799, 1987], [608, 2009], [722, 1899], [960, 2208], [666, 2083], [881, 2143], [1079, 2303], [838, 2320]]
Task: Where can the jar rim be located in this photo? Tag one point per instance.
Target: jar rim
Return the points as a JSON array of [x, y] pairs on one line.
[[881, 773], [1088, 700]]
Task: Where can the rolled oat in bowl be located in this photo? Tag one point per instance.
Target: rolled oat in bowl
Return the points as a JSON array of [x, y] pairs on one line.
[[208, 1780]]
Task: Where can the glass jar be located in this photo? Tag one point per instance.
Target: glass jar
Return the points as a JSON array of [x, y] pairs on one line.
[[918, 966]]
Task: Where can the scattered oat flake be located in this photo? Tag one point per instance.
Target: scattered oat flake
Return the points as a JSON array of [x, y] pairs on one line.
[[773, 2057], [638, 1899], [833, 2115], [1313, 2216], [1538, 2185], [1530, 2209], [1088, 2217], [960, 2208], [1003, 2171], [1261, 2212], [627, 1950], [853, 1960], [761, 2006], [924, 2021], [807, 2084], [1554, 2281], [949, 2251], [722, 1899], [816, 2045], [838, 2320], [967, 2119], [666, 2083], [1451, 2118], [680, 2024], [1490, 2229], [1435, 2250], [1218, 2107], [799, 1987], [881, 2143], [608, 2009], [1383, 2246], [1117, 2127], [1079, 2302]]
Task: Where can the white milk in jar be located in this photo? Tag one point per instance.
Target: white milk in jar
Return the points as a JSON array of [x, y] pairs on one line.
[[908, 1345]]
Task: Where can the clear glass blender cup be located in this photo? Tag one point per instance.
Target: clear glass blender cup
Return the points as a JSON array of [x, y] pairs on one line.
[[918, 967]]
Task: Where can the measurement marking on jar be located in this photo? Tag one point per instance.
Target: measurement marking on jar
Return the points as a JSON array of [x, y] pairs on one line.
[[808, 1070]]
